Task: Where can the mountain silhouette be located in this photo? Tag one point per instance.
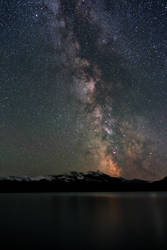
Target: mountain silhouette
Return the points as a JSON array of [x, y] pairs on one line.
[[78, 182]]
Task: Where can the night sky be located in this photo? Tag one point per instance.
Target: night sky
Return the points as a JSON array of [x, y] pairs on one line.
[[83, 86]]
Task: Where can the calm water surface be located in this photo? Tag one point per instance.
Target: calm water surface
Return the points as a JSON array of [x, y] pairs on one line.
[[84, 221]]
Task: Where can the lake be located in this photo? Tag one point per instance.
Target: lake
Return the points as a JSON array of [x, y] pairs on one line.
[[84, 221]]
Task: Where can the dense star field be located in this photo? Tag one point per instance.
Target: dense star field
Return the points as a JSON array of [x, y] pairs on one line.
[[83, 87]]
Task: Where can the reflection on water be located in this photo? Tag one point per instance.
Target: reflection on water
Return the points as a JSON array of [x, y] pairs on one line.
[[84, 221]]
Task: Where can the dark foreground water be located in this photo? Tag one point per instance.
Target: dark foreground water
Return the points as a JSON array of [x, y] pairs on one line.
[[83, 221]]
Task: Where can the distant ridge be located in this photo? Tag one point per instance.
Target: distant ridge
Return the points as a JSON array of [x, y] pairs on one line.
[[78, 182]]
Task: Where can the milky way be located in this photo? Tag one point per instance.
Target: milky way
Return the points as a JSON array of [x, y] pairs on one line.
[[83, 87]]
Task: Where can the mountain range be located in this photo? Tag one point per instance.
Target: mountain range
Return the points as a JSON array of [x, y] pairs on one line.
[[78, 182]]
